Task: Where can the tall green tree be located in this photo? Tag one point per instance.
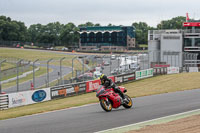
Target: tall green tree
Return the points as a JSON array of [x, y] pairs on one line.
[[12, 30], [49, 33], [141, 32], [69, 35], [174, 23]]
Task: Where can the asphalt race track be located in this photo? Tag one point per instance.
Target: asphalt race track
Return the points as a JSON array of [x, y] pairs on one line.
[[91, 118]]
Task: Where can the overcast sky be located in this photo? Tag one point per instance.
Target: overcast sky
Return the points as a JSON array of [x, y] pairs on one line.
[[117, 12]]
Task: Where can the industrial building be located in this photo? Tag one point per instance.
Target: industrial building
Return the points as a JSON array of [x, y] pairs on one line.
[[107, 38], [175, 47]]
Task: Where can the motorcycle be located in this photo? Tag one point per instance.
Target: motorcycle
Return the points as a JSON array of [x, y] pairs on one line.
[[109, 99]]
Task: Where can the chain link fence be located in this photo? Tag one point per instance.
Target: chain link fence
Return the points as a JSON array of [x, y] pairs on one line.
[[82, 68]]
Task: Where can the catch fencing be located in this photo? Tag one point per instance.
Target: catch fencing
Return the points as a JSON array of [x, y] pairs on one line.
[[84, 67]]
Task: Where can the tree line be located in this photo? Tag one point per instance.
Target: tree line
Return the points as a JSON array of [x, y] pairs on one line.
[[67, 34]]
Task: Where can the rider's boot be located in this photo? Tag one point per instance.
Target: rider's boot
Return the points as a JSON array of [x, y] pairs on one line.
[[124, 100]]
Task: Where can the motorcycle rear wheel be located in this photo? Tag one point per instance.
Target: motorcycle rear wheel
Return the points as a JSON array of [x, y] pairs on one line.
[[129, 104], [106, 105]]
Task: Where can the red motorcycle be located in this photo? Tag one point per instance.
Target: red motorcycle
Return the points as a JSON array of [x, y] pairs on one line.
[[109, 99]]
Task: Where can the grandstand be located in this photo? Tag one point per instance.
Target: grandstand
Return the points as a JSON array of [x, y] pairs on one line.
[[107, 38]]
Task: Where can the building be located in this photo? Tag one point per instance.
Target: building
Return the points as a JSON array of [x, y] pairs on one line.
[[107, 38], [175, 47]]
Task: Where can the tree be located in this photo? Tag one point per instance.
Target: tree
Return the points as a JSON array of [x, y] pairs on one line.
[[141, 32], [174, 23], [12, 30], [49, 33], [69, 35]]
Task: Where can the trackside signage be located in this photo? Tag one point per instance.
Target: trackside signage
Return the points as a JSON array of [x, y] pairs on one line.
[[94, 85], [28, 97], [172, 70], [144, 74], [193, 69], [63, 91]]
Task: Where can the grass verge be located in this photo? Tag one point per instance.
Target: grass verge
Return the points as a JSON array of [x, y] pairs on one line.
[[150, 86], [7, 65]]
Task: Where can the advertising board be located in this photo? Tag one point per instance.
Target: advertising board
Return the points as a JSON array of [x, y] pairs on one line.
[[144, 73], [172, 70], [119, 79], [128, 77], [82, 86], [193, 69], [94, 84], [28, 97]]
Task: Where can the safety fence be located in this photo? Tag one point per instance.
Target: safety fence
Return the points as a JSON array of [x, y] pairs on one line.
[[46, 94]]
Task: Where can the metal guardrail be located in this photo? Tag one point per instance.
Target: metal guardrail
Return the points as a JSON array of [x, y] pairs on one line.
[[4, 101]]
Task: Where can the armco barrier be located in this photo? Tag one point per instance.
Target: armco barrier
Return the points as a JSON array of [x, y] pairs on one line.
[[4, 102]]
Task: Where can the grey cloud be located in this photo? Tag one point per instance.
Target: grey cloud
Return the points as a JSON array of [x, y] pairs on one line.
[[98, 11]]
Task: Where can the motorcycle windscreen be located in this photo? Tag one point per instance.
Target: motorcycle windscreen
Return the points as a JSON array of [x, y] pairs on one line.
[[100, 91]]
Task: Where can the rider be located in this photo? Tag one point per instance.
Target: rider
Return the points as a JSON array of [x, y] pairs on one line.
[[106, 82]]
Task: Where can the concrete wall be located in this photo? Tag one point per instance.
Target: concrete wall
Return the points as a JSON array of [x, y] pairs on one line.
[[171, 49], [154, 51]]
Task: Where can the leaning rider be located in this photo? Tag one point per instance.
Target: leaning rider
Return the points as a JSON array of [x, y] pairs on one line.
[[106, 82]]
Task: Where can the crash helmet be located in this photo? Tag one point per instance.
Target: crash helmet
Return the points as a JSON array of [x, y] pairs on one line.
[[103, 78]]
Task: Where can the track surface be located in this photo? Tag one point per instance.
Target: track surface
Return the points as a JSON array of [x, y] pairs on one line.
[[92, 118]]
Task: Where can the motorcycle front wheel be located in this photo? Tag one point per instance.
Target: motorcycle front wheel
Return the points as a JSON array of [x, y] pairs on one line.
[[106, 105], [129, 102]]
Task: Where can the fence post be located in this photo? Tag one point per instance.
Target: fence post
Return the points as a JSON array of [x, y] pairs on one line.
[[0, 75], [61, 69], [18, 74], [110, 64], [34, 72], [118, 59], [73, 67], [48, 71]]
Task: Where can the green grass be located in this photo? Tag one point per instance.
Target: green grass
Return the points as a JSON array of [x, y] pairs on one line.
[[150, 86], [31, 55], [6, 65], [14, 74]]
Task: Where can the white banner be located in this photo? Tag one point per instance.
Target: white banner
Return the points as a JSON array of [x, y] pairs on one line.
[[172, 70], [28, 97], [193, 69]]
